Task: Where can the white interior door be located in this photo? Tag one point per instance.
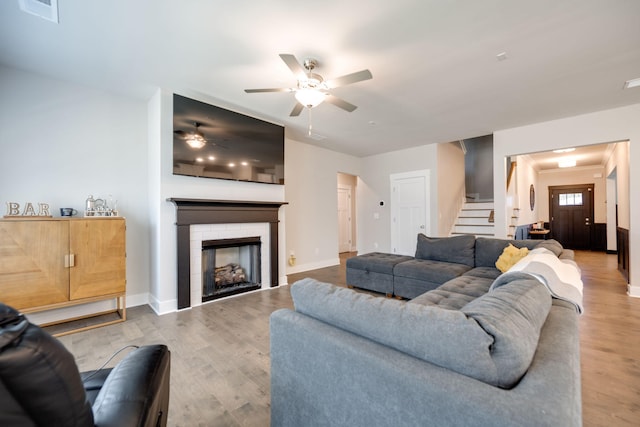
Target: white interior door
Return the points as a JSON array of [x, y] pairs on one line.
[[344, 219], [409, 210]]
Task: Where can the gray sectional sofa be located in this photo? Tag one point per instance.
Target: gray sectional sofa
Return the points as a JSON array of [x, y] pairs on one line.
[[459, 353], [437, 260]]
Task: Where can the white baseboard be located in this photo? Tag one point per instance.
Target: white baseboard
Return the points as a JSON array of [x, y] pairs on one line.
[[163, 307], [313, 266], [633, 291], [283, 281]]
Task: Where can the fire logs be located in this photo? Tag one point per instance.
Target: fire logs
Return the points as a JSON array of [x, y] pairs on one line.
[[229, 275]]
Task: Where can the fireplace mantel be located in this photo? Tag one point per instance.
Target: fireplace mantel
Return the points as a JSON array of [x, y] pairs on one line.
[[204, 211]]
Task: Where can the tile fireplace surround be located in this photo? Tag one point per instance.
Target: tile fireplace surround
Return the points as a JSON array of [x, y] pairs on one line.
[[258, 219]]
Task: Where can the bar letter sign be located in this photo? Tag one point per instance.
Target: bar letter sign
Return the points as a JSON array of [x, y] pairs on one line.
[[13, 210]]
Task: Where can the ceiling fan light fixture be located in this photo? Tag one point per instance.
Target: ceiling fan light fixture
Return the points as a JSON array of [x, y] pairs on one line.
[[195, 141], [310, 97]]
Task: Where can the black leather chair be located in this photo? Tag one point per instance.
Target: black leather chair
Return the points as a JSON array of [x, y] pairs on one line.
[[40, 384]]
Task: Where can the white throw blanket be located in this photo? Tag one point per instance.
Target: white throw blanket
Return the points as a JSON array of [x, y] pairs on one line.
[[561, 277]]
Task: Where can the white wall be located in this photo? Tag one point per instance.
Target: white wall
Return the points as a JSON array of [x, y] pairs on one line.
[[311, 180], [619, 124], [451, 186], [526, 176], [60, 142], [618, 184], [375, 234]]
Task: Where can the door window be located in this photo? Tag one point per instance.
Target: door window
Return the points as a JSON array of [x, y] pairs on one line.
[[570, 199]]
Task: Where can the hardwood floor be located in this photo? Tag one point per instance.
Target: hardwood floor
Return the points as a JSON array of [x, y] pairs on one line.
[[220, 351], [609, 344]]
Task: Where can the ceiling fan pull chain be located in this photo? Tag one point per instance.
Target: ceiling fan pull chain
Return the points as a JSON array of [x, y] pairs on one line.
[[309, 109]]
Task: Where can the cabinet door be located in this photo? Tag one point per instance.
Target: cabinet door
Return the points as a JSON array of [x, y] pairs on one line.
[[98, 246], [32, 263]]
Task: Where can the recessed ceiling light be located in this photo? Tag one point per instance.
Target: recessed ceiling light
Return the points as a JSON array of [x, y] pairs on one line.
[[316, 136], [199, 159], [211, 158], [567, 163], [501, 56], [564, 150], [231, 165], [244, 164], [632, 83]]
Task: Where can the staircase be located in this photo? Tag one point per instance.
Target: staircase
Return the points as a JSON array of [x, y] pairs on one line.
[[475, 218]]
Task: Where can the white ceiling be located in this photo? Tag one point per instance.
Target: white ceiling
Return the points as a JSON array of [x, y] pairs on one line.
[[436, 76]]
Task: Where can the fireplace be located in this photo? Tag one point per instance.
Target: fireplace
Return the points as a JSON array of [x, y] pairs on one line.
[[230, 267], [198, 220]]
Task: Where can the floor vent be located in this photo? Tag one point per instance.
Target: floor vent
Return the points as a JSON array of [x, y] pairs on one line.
[[46, 9]]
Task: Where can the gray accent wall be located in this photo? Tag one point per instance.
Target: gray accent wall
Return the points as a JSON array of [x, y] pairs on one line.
[[478, 167]]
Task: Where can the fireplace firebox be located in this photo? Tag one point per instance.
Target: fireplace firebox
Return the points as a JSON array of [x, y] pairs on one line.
[[230, 266]]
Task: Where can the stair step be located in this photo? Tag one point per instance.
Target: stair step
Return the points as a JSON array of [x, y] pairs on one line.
[[478, 205], [473, 220], [461, 228], [473, 234], [475, 212]]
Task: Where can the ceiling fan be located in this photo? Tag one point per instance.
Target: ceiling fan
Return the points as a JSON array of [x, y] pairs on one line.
[[195, 138], [311, 88]]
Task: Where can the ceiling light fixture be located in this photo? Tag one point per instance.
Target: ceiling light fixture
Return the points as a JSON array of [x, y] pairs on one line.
[[567, 163], [310, 97], [632, 83], [196, 139]]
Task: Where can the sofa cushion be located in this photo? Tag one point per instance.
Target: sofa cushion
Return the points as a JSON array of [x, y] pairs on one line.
[[489, 249], [429, 270], [514, 319], [510, 256], [456, 249], [484, 272], [455, 293], [472, 341], [376, 262]]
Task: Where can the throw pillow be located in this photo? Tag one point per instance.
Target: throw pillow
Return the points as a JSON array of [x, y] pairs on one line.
[[510, 256]]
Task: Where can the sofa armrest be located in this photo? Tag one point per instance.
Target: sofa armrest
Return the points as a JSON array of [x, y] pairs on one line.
[[136, 392]]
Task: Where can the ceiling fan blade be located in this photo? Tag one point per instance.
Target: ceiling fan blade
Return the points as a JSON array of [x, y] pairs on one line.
[[297, 109], [340, 103], [350, 78], [276, 89], [293, 65]]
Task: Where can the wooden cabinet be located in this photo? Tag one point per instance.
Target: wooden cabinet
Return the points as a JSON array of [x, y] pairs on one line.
[[61, 262]]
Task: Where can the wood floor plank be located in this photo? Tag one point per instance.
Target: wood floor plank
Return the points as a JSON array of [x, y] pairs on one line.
[[220, 350]]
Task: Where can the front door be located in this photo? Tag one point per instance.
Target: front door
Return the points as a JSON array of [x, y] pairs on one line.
[[571, 215]]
